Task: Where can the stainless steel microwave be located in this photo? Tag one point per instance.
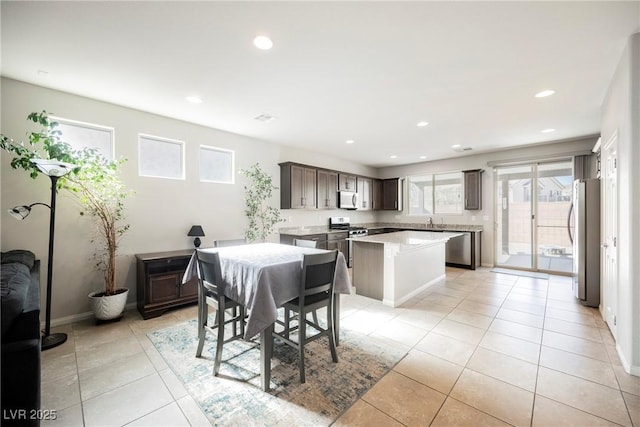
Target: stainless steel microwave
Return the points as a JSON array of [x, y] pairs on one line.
[[348, 200]]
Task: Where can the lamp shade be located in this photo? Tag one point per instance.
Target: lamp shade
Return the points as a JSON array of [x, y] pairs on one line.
[[20, 212], [196, 231], [52, 167]]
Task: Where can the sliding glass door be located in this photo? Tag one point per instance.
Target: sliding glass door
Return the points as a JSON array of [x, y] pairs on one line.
[[532, 209]]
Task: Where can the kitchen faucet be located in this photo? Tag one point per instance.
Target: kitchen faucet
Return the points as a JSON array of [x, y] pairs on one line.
[[429, 221]]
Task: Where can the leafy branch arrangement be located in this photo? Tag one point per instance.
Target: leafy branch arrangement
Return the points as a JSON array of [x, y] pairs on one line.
[[94, 183], [262, 217]]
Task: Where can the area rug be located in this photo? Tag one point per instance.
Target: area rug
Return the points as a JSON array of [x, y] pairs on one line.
[[521, 273], [234, 398]]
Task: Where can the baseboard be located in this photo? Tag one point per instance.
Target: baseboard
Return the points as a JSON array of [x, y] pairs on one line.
[[628, 367], [78, 317]]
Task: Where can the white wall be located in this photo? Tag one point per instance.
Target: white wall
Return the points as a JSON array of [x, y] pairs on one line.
[[486, 216], [621, 114], [160, 212]]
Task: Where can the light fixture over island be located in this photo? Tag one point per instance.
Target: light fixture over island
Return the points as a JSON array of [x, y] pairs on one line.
[[394, 267]]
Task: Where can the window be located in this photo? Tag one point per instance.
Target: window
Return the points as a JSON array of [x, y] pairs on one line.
[[81, 135], [448, 193], [435, 194], [216, 165], [160, 157]]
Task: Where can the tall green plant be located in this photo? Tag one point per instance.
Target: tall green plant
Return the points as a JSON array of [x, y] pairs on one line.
[[262, 217], [94, 183]]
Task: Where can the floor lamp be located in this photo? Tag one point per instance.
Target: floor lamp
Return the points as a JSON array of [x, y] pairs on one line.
[[53, 169]]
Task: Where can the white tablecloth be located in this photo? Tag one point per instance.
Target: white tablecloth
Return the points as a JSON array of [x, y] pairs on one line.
[[263, 276]]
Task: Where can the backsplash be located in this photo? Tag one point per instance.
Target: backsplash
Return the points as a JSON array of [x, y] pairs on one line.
[[305, 218]]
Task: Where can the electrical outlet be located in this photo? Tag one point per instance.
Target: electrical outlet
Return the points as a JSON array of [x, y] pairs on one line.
[[485, 218], [473, 218]]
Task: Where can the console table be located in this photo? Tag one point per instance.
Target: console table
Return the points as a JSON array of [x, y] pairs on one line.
[[159, 282]]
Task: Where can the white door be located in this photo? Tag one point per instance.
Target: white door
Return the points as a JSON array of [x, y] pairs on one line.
[[610, 235]]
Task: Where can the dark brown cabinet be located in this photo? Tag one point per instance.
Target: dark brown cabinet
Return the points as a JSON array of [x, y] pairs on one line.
[[473, 189], [347, 182], [376, 194], [365, 190], [327, 189], [338, 241], [309, 187], [159, 282], [391, 194], [298, 186]]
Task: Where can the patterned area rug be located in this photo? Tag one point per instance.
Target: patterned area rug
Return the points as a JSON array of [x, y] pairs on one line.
[[235, 398]]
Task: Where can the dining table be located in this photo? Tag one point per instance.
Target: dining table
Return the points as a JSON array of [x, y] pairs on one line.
[[262, 277]]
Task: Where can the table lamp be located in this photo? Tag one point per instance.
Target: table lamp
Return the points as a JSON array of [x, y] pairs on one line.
[[197, 232]]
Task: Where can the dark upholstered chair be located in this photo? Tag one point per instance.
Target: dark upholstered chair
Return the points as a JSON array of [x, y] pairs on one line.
[[305, 243], [230, 242], [211, 293], [316, 291]]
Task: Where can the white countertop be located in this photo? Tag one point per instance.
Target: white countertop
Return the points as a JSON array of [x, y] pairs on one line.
[[408, 239]]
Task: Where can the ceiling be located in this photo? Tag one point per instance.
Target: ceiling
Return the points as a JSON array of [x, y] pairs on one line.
[[361, 71]]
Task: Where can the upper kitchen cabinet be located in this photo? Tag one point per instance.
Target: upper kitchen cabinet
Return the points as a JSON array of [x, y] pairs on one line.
[[473, 189], [347, 182], [391, 194], [327, 189], [365, 193], [376, 194], [298, 186]]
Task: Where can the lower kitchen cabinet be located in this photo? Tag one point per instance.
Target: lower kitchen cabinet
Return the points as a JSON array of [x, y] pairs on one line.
[[338, 241], [159, 282]]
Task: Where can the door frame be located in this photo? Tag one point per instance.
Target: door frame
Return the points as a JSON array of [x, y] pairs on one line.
[[534, 164], [609, 214]]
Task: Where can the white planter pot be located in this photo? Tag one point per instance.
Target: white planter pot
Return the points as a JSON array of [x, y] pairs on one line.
[[108, 307]]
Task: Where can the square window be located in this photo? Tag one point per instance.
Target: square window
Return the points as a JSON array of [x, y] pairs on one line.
[[160, 157], [81, 135], [216, 165]]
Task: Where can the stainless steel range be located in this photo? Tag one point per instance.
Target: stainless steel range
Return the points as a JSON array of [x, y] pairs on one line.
[[343, 223]]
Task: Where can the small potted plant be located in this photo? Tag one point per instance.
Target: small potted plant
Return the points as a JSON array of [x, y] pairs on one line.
[[262, 217], [98, 188]]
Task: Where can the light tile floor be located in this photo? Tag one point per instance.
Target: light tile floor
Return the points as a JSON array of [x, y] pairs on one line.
[[484, 349]]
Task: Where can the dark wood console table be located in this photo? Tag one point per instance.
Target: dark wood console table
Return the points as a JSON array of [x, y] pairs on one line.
[[159, 282]]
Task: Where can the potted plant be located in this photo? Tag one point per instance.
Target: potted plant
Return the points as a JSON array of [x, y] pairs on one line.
[[99, 190], [262, 217]]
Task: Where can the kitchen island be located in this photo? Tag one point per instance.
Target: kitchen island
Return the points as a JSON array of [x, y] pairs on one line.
[[394, 267]]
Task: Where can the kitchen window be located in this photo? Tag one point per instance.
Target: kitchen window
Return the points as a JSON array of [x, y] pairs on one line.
[[81, 135], [435, 194]]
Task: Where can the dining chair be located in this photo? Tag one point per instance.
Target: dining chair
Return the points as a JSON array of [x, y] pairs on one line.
[[229, 242], [305, 243], [315, 291], [211, 293]]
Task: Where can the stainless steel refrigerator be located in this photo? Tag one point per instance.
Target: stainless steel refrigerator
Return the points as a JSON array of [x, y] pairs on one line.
[[586, 241]]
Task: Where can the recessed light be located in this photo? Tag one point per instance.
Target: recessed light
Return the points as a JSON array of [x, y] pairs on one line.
[[393, 157], [456, 146], [194, 99], [548, 130], [545, 93], [263, 42], [422, 124], [349, 141], [423, 157]]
